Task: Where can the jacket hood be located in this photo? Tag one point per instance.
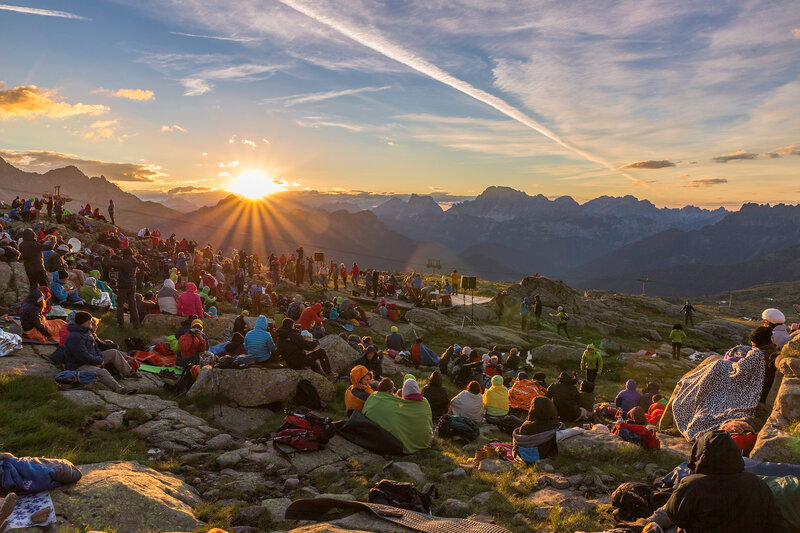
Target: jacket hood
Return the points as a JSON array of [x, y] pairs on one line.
[[28, 235], [205, 289], [91, 281], [261, 323], [169, 284], [191, 287], [317, 307], [436, 379], [651, 388], [543, 410], [410, 388], [567, 378], [497, 380], [591, 347], [287, 323], [357, 373], [631, 384], [95, 274], [716, 453]]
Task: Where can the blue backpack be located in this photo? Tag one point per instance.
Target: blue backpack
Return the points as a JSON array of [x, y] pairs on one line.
[[75, 378]]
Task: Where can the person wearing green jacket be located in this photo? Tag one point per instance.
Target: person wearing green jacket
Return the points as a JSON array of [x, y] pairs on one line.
[[592, 362], [676, 337], [563, 318]]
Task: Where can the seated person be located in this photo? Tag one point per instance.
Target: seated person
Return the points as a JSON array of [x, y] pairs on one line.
[[84, 352], [513, 360], [360, 389], [92, 295], [408, 420], [192, 343], [145, 304], [311, 315], [240, 324], [636, 416], [64, 292], [33, 322], [410, 390], [392, 313], [468, 403], [567, 398], [647, 395], [436, 395], [494, 368], [372, 361], [394, 341], [629, 397], [535, 439], [299, 352], [721, 495], [495, 399], [168, 298], [541, 379], [236, 346], [103, 286], [587, 395], [258, 342], [523, 392], [422, 355]]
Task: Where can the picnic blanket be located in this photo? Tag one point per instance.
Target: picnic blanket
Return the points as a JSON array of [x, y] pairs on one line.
[[27, 505], [720, 391], [153, 369]]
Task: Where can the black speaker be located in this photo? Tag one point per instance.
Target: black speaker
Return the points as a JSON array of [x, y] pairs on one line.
[[319, 257], [469, 282]]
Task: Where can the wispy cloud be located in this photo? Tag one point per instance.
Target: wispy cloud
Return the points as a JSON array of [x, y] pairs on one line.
[[165, 128], [30, 101], [129, 94], [793, 149], [202, 82], [650, 164], [218, 37], [293, 100], [320, 122], [735, 156], [705, 182], [101, 130], [42, 161], [42, 12], [189, 189]]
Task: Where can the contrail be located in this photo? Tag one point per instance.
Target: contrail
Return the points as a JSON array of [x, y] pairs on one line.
[[401, 55]]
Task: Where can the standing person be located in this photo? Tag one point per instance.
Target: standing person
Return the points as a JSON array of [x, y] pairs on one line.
[[500, 301], [537, 311], [323, 275], [688, 311], [299, 270], [375, 278], [676, 337], [343, 273], [591, 363], [524, 311], [111, 211], [50, 204], [354, 273], [32, 259], [334, 275], [563, 318], [310, 270], [454, 281], [126, 287], [58, 209]]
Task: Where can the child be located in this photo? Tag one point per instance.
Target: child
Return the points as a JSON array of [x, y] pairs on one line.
[[676, 336]]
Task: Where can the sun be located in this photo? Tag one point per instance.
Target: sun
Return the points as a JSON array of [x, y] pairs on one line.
[[254, 184]]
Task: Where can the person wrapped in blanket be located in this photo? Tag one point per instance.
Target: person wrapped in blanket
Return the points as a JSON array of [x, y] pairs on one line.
[[535, 439], [33, 322], [495, 401]]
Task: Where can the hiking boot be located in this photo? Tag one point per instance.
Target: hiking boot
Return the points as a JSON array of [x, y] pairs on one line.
[[134, 375], [7, 506], [126, 391]]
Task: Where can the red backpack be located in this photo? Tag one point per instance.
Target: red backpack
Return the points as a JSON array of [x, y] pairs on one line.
[[304, 431]]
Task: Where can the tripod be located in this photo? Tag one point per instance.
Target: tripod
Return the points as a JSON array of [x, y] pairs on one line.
[[470, 318]]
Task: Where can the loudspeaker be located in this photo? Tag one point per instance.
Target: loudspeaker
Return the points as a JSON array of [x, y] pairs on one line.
[[469, 282], [319, 257]]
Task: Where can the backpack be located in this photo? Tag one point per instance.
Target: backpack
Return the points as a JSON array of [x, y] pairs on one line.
[[303, 430], [457, 428], [403, 495], [68, 379], [307, 395], [632, 501], [135, 344]]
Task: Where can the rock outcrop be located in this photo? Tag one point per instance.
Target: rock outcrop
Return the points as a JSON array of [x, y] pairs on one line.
[[255, 387], [127, 497]]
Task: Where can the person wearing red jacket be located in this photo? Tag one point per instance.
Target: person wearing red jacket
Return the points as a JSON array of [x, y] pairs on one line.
[[309, 315], [189, 302], [192, 344], [354, 273]]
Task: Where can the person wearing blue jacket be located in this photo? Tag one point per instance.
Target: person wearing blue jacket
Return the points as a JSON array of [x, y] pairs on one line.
[[259, 342], [61, 295], [84, 352]]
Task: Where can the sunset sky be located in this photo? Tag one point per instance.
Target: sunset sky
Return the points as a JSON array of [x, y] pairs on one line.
[[677, 102]]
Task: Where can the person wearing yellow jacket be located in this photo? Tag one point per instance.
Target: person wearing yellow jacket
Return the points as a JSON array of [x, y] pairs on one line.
[[592, 362], [495, 398], [359, 390]]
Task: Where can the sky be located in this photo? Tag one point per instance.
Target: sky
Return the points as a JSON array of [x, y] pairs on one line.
[[677, 102]]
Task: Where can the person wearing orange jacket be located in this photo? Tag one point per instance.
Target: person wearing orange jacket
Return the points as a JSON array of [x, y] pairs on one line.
[[360, 388]]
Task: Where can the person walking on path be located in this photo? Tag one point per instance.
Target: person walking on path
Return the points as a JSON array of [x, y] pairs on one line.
[[676, 337], [688, 311], [592, 362], [563, 318]]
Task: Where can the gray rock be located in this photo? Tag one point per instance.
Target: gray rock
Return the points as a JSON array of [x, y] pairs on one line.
[[563, 498], [223, 441], [481, 499], [494, 465], [651, 334], [610, 347], [554, 353], [455, 474], [277, 507], [291, 484], [145, 402], [453, 508], [650, 469], [411, 470], [229, 459], [115, 419], [575, 480], [86, 398], [554, 480]]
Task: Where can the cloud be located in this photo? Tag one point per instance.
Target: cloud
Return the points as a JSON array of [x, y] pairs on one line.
[[189, 189], [705, 182], [792, 149], [130, 94], [289, 101], [218, 38], [101, 129], [30, 101], [202, 82], [231, 164], [650, 164], [249, 143], [639, 181], [42, 161], [174, 127], [320, 122], [796, 33], [735, 156], [42, 12]]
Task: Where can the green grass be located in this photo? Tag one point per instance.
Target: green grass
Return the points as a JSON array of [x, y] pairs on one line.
[[38, 421]]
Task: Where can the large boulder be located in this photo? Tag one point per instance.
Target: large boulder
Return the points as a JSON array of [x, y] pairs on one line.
[[775, 444], [555, 353], [128, 498], [551, 292], [340, 354], [255, 387], [214, 328], [30, 360], [720, 328], [428, 318]]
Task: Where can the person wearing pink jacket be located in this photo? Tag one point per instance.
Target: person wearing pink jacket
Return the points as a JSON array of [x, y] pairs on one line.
[[189, 302]]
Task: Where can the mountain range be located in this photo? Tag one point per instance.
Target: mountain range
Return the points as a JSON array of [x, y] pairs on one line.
[[502, 234]]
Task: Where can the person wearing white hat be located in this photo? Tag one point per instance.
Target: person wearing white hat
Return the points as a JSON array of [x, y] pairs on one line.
[[775, 320]]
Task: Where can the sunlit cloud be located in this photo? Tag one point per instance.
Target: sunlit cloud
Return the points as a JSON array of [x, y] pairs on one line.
[[705, 182], [189, 189], [101, 129], [248, 143], [315, 122], [217, 37], [796, 33], [42, 12], [203, 81], [30, 101], [165, 128], [793, 149], [42, 161], [129, 94], [290, 101], [735, 156], [265, 141], [650, 164], [230, 164]]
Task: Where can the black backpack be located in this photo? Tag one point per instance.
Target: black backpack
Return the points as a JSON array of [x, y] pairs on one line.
[[308, 396], [632, 501], [403, 495], [457, 428]]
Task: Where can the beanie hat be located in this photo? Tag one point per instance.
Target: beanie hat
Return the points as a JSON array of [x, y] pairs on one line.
[[246, 313], [386, 385], [394, 329], [81, 317], [773, 316], [197, 322], [761, 336]]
